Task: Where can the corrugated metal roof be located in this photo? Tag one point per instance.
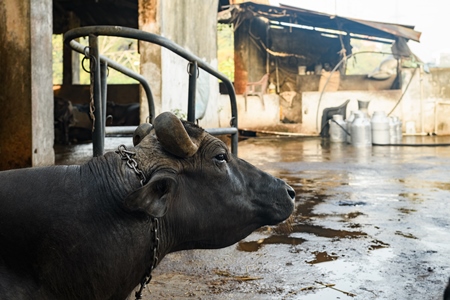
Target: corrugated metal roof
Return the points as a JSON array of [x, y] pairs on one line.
[[395, 29], [294, 15]]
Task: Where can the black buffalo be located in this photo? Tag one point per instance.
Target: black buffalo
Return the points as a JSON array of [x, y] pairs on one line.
[[63, 119], [88, 231], [122, 114], [447, 291]]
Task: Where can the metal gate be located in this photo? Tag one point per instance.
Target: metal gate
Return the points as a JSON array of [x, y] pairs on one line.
[[98, 71]]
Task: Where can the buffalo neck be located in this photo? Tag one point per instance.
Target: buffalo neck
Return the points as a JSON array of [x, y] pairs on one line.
[[126, 242], [111, 177]]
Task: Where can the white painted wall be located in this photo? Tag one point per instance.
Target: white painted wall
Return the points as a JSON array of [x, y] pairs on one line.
[[426, 103], [254, 116], [422, 104]]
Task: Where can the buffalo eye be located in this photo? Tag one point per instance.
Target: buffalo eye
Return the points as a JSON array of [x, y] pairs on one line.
[[221, 157]]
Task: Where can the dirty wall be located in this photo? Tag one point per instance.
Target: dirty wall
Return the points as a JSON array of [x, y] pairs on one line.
[[423, 105], [26, 100]]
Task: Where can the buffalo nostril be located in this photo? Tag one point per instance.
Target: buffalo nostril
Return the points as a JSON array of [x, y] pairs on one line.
[[291, 192]]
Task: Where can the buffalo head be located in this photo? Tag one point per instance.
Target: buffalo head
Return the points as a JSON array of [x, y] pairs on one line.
[[204, 196]]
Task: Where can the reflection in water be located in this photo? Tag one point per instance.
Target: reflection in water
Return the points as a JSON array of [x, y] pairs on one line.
[[415, 197], [424, 184], [351, 203], [310, 192], [406, 210], [326, 232]]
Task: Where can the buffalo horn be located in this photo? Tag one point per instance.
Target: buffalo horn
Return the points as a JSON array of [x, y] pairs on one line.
[[140, 132], [172, 135]]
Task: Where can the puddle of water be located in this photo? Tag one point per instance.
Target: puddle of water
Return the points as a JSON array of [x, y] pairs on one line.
[[406, 235], [352, 203], [406, 210], [423, 184], [415, 197], [321, 257], [312, 191], [283, 232], [442, 185], [253, 246], [376, 244], [349, 278], [353, 215], [326, 232], [354, 225]]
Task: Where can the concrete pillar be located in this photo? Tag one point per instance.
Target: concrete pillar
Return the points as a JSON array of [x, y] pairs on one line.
[[166, 71], [149, 20], [250, 61], [71, 59], [26, 96], [241, 57]]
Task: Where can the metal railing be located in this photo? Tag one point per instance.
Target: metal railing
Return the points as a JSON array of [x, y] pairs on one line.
[[98, 71]]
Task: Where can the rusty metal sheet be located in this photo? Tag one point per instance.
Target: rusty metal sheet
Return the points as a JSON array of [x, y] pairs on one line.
[[394, 29], [295, 15]]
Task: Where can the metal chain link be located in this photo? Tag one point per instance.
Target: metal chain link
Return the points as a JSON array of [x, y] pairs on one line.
[[189, 69], [93, 64], [131, 162], [148, 276]]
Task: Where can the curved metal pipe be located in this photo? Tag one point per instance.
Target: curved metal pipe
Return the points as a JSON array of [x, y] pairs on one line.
[[166, 43], [124, 70]]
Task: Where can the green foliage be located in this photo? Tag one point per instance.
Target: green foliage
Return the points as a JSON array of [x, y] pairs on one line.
[[57, 42], [120, 50], [179, 113], [365, 63], [225, 50]]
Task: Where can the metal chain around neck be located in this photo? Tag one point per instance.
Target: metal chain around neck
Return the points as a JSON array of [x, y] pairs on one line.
[[131, 162], [148, 275]]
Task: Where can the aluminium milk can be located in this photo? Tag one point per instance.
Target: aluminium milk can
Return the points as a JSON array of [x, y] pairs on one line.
[[380, 128], [337, 129], [361, 131]]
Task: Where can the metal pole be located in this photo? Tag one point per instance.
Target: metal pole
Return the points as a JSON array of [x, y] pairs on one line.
[[234, 117], [422, 131], [98, 134], [193, 72], [104, 88]]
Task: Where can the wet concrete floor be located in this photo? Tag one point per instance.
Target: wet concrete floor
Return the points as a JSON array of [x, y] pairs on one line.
[[370, 223]]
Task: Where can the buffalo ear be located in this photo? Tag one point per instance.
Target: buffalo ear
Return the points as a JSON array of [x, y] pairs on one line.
[[153, 197]]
